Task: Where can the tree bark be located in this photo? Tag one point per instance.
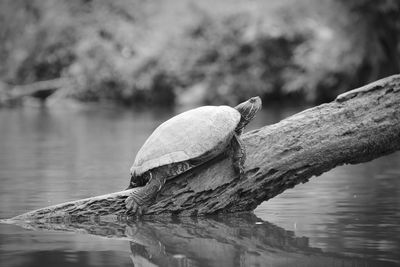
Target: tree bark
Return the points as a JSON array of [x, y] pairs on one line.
[[360, 125]]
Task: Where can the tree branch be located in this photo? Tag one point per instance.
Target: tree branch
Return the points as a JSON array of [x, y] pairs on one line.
[[358, 126]]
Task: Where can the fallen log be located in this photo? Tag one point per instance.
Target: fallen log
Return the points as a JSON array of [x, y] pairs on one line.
[[358, 126], [40, 90]]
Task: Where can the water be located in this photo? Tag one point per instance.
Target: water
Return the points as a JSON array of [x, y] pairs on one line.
[[349, 216]]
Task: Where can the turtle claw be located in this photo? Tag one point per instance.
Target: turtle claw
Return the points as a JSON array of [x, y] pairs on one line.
[[239, 169], [241, 172], [132, 208]]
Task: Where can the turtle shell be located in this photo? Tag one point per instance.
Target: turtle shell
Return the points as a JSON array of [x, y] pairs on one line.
[[189, 135]]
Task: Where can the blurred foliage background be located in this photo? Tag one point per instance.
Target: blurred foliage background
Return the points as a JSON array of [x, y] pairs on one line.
[[168, 52]]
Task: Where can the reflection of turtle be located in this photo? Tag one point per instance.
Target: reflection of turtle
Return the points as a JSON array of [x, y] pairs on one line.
[[186, 141]]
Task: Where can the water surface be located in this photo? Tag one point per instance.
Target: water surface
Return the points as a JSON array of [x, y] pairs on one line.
[[349, 216]]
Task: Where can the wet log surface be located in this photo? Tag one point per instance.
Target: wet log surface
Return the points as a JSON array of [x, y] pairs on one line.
[[358, 126]]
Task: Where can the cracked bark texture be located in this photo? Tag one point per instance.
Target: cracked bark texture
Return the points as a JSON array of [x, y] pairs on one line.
[[360, 125]]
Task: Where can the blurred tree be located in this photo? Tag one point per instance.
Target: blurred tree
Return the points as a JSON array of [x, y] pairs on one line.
[[379, 36], [205, 52], [229, 61], [349, 43]]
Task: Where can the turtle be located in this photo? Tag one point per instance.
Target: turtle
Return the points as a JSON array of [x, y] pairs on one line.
[[184, 142]]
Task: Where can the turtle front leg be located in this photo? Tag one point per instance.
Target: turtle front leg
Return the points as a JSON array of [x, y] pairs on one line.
[[239, 154], [142, 196]]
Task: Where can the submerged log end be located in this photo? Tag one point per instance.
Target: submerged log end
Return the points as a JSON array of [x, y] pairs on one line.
[[104, 205]]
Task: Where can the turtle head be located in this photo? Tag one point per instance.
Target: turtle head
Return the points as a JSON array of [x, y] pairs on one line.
[[248, 110]]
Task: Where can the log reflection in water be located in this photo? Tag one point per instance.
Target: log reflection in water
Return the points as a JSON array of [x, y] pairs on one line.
[[225, 240]]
